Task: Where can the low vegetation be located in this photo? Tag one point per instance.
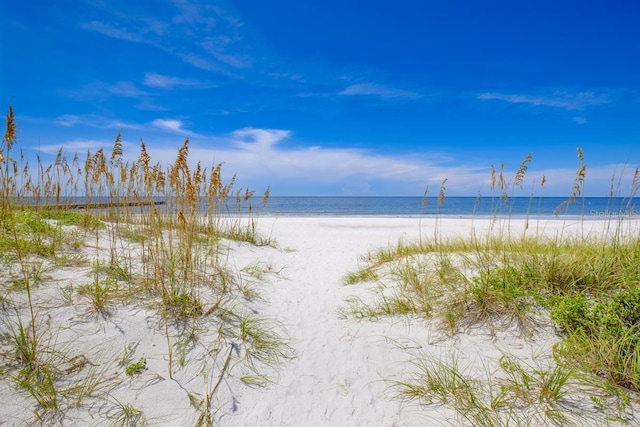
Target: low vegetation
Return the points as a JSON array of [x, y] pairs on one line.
[[153, 238], [147, 238], [588, 286]]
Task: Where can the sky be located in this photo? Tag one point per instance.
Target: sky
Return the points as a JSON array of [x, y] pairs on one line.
[[335, 97]]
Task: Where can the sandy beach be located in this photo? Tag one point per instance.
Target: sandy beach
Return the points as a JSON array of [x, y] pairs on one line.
[[336, 369]]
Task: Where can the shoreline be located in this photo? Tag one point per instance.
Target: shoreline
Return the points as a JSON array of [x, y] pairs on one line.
[[603, 216]]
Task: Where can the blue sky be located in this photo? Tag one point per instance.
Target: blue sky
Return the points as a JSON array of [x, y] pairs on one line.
[[335, 97]]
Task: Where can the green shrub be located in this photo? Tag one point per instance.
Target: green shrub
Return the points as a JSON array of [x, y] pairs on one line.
[[136, 368], [572, 313]]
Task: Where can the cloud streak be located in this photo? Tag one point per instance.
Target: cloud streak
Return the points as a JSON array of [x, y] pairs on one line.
[[79, 146], [568, 101], [125, 89], [72, 120], [380, 91], [161, 81], [198, 33], [114, 31], [163, 125]]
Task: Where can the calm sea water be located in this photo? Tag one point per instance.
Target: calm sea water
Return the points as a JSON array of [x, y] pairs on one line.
[[594, 207], [465, 207]]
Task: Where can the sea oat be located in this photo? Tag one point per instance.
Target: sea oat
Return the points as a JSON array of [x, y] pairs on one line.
[[441, 193], [522, 170]]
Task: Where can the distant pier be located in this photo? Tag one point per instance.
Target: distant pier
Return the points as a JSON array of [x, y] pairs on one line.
[[95, 205]]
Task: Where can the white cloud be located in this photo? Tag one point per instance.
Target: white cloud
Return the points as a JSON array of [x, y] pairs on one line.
[[99, 90], [79, 146], [68, 120], [71, 120], [113, 31], [119, 124], [568, 101], [261, 158], [251, 139], [199, 61], [369, 89], [167, 82], [126, 89], [171, 125]]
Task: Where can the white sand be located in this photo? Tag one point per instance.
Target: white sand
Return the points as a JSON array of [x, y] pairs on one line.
[[342, 368]]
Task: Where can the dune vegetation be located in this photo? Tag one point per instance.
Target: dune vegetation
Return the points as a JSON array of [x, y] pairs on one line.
[[145, 238], [91, 248], [586, 285]]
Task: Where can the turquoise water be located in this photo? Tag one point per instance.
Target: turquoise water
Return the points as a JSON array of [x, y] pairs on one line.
[[590, 207]]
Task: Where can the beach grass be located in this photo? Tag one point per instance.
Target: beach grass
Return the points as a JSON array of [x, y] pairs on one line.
[[153, 237], [167, 262], [587, 285]]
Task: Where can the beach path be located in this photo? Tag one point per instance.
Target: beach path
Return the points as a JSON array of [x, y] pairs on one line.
[[337, 376]]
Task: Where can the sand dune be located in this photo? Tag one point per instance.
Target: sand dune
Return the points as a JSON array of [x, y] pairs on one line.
[[337, 370]]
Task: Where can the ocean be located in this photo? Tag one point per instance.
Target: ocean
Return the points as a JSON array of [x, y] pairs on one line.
[[461, 207], [589, 207]]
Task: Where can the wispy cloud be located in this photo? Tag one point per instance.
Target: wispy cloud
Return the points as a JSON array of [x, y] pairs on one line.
[[126, 89], [218, 47], [71, 120], [566, 100], [162, 125], [114, 31], [68, 120], [296, 77], [377, 90], [171, 125], [79, 146], [98, 90], [148, 105], [198, 33], [160, 81], [191, 13]]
